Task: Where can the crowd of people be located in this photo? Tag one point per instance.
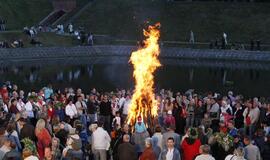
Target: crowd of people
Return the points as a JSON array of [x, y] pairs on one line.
[[72, 124]]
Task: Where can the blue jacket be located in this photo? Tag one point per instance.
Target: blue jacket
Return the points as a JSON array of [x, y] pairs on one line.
[[176, 155]]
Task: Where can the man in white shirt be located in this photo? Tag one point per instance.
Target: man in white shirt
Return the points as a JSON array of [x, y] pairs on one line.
[[126, 106], [205, 153], [29, 108], [71, 110], [100, 142]]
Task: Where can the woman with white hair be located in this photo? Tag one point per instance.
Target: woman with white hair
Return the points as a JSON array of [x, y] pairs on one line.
[[43, 136], [148, 153]]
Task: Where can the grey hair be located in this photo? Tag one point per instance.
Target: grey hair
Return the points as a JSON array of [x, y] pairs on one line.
[[148, 141]]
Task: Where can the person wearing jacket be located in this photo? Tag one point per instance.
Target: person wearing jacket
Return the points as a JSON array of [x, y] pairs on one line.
[[148, 153], [191, 145], [100, 142], [126, 150], [170, 153]]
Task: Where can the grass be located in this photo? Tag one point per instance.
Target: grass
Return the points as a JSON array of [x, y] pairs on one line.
[[47, 39], [20, 13], [208, 20]]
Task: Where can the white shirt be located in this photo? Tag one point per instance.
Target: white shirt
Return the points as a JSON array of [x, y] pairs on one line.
[[29, 109], [126, 106], [100, 139], [234, 157], [80, 105], [71, 110], [204, 157], [20, 106], [121, 101], [169, 155]]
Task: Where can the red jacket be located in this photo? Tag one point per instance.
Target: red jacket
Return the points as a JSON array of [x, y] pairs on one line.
[[190, 151], [148, 154], [44, 140]]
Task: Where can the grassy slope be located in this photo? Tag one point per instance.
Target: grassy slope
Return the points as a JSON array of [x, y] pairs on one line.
[[125, 19], [20, 13], [48, 39]]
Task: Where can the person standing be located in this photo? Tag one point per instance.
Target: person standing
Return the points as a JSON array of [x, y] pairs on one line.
[[148, 153], [170, 153], [126, 150], [191, 38], [105, 113], [190, 145], [100, 142], [81, 108], [252, 152], [71, 110], [92, 108]]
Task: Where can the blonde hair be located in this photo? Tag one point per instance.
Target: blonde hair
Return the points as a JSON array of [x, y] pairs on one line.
[[40, 125]]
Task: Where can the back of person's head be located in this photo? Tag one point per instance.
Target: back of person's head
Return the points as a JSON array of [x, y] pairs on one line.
[[40, 124], [239, 152], [126, 138], [158, 129], [205, 149], [11, 127], [100, 123]]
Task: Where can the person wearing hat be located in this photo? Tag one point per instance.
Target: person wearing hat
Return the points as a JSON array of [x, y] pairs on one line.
[[191, 144], [148, 153]]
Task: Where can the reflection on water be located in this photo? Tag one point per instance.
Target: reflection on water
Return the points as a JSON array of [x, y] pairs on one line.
[[109, 77]]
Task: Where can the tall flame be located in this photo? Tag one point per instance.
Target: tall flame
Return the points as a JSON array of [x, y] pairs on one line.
[[145, 62]]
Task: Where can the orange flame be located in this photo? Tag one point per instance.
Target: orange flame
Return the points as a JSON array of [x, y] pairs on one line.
[[145, 62]]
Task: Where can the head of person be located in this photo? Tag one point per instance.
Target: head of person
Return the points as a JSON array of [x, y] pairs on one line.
[[204, 149], [126, 138], [170, 142], [247, 140], [125, 128], [100, 123], [21, 121], [14, 101], [231, 124], [239, 152], [158, 129], [105, 98], [148, 142], [117, 114], [11, 127], [40, 125], [79, 98], [93, 127]]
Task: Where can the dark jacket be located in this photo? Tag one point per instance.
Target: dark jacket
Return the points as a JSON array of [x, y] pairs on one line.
[[176, 154], [127, 151], [265, 152], [105, 108], [28, 131]]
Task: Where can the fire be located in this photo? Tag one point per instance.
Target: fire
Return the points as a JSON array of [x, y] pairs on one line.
[[145, 62]]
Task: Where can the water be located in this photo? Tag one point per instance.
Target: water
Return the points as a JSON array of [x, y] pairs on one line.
[[110, 77]]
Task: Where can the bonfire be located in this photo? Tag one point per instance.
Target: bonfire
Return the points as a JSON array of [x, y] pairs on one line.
[[145, 62]]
